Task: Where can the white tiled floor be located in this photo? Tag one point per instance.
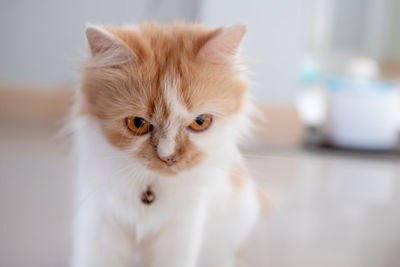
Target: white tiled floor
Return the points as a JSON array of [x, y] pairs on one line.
[[339, 209]]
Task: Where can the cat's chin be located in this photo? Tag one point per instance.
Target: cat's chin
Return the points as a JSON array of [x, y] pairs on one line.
[[165, 170]]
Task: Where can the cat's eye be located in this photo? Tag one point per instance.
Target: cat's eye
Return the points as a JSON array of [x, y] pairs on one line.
[[138, 125], [201, 123]]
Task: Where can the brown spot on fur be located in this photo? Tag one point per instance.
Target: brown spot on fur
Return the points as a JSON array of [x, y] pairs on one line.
[[238, 177], [265, 200], [242, 250]]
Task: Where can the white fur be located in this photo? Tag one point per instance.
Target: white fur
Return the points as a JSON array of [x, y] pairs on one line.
[[166, 145], [199, 218]]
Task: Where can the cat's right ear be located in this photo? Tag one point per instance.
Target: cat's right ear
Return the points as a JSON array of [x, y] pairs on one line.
[[224, 46], [104, 46]]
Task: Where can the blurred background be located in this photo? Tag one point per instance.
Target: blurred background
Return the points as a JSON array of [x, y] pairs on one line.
[[325, 74]]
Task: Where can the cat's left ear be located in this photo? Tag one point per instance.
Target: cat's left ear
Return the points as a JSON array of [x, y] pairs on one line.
[[106, 47], [224, 46]]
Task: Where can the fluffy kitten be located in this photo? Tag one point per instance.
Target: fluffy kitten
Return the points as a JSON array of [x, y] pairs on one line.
[[159, 116]]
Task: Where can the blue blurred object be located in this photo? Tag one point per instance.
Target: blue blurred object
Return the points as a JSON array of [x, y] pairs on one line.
[[309, 72], [352, 85]]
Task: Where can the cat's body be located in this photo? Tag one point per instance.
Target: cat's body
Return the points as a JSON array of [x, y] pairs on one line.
[[205, 204]]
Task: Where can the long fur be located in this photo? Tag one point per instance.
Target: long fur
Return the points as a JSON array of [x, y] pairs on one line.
[[206, 205]]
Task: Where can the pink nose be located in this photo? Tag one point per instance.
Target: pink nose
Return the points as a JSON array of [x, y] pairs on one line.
[[170, 160]]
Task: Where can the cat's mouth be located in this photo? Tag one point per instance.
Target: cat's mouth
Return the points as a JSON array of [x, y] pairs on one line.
[[163, 168], [160, 166], [187, 157]]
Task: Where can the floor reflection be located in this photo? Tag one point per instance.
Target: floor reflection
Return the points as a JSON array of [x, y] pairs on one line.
[[338, 209]]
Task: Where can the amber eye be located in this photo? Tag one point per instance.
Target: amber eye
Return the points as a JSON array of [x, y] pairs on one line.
[[201, 123], [138, 125]]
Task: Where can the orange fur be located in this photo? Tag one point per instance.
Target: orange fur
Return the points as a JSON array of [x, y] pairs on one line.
[[238, 177], [242, 250], [264, 199], [111, 93]]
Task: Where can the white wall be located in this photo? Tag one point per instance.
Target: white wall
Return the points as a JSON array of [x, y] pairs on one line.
[[392, 48], [42, 41], [274, 41]]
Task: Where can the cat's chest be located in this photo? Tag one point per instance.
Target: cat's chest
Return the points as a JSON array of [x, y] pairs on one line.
[[171, 198]]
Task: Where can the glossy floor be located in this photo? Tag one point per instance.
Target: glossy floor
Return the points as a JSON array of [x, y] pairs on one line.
[[336, 208]]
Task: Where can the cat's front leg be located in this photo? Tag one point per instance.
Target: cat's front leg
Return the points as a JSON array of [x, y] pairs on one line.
[[177, 244], [101, 242]]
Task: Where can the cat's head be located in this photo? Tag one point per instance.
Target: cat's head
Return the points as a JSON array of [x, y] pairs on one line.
[[169, 97]]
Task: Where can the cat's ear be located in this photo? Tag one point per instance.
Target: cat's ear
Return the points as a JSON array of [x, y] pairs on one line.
[[224, 46], [106, 47]]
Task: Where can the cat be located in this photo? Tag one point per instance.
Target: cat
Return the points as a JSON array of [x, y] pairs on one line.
[[159, 117]]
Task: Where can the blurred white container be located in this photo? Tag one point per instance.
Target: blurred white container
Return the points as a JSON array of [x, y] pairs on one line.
[[310, 101], [363, 115], [363, 69]]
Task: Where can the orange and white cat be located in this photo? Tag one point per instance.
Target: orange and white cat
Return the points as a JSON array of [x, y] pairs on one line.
[[159, 116]]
